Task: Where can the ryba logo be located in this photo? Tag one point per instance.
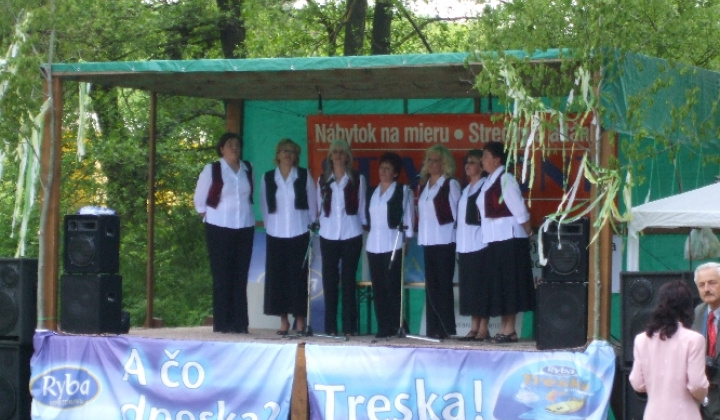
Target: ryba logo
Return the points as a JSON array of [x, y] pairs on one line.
[[559, 370], [550, 390], [65, 387]]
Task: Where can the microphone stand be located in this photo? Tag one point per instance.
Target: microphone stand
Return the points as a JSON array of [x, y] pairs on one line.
[[313, 229], [401, 330], [307, 262], [401, 333], [401, 229], [400, 234]]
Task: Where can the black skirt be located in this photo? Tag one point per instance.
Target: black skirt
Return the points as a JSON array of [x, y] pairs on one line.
[[512, 287], [286, 278], [474, 286]]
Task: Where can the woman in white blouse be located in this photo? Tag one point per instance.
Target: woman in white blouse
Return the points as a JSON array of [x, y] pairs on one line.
[[391, 205], [223, 198], [437, 214], [288, 202], [471, 251], [341, 203], [506, 229]]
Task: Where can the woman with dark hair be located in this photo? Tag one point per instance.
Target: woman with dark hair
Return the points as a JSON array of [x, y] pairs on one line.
[[341, 202], [471, 252], [289, 205], [390, 206], [437, 213], [223, 198], [505, 225], [669, 358]]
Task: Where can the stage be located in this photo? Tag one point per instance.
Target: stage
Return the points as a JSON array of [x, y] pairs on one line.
[[269, 336], [193, 373]]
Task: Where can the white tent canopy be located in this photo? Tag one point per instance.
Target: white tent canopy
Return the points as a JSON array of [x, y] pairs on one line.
[[693, 209]]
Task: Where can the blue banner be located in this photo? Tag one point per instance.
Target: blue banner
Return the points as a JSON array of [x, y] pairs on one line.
[[131, 378], [429, 383]]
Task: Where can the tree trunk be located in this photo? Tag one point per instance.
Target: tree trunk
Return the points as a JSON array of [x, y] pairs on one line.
[[120, 154], [382, 19], [355, 27], [232, 28]]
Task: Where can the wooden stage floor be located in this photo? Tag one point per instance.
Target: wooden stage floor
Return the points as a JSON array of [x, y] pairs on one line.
[[205, 333]]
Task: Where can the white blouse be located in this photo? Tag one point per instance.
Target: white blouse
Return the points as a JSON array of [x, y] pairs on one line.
[[287, 221], [234, 210], [468, 237], [381, 238], [430, 232], [504, 228], [339, 225]]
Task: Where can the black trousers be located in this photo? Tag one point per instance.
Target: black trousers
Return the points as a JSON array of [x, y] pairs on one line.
[[340, 261], [386, 290], [230, 251], [439, 299]]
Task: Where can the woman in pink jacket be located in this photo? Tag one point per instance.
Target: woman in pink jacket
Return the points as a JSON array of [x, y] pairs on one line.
[[669, 358]]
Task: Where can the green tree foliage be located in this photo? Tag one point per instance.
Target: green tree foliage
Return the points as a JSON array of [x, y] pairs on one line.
[[113, 130], [594, 36]]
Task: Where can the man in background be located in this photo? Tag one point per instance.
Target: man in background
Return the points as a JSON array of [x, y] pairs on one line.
[[707, 279]]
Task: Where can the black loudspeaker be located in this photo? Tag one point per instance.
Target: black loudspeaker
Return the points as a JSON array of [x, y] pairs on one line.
[[92, 243], [18, 299], [91, 303], [633, 402], [561, 315], [15, 381], [639, 297], [567, 258]]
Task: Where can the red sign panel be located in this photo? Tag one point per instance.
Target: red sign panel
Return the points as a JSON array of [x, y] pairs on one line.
[[370, 136]]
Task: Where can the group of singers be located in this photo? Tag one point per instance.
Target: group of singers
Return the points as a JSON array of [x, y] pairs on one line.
[[486, 224]]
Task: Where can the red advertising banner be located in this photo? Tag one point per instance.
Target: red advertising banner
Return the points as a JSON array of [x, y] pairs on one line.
[[409, 136]]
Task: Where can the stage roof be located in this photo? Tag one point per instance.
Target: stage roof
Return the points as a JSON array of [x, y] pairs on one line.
[[408, 76], [631, 80]]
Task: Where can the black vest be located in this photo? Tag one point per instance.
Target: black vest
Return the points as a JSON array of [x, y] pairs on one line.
[[472, 213], [299, 185], [394, 206]]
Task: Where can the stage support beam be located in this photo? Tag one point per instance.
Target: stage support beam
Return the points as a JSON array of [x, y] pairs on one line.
[[50, 162], [150, 272], [607, 151], [299, 407], [600, 267], [235, 116]]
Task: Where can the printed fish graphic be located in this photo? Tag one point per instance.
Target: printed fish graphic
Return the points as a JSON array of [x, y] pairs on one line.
[[565, 407]]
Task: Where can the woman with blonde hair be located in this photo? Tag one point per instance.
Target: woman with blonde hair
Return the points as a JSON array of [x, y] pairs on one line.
[[341, 203], [288, 202], [437, 215]]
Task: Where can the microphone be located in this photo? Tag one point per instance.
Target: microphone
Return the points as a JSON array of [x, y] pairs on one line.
[[327, 182], [415, 181], [325, 189]]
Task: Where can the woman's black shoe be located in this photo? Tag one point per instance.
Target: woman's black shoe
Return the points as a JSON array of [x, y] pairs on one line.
[[469, 337]]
